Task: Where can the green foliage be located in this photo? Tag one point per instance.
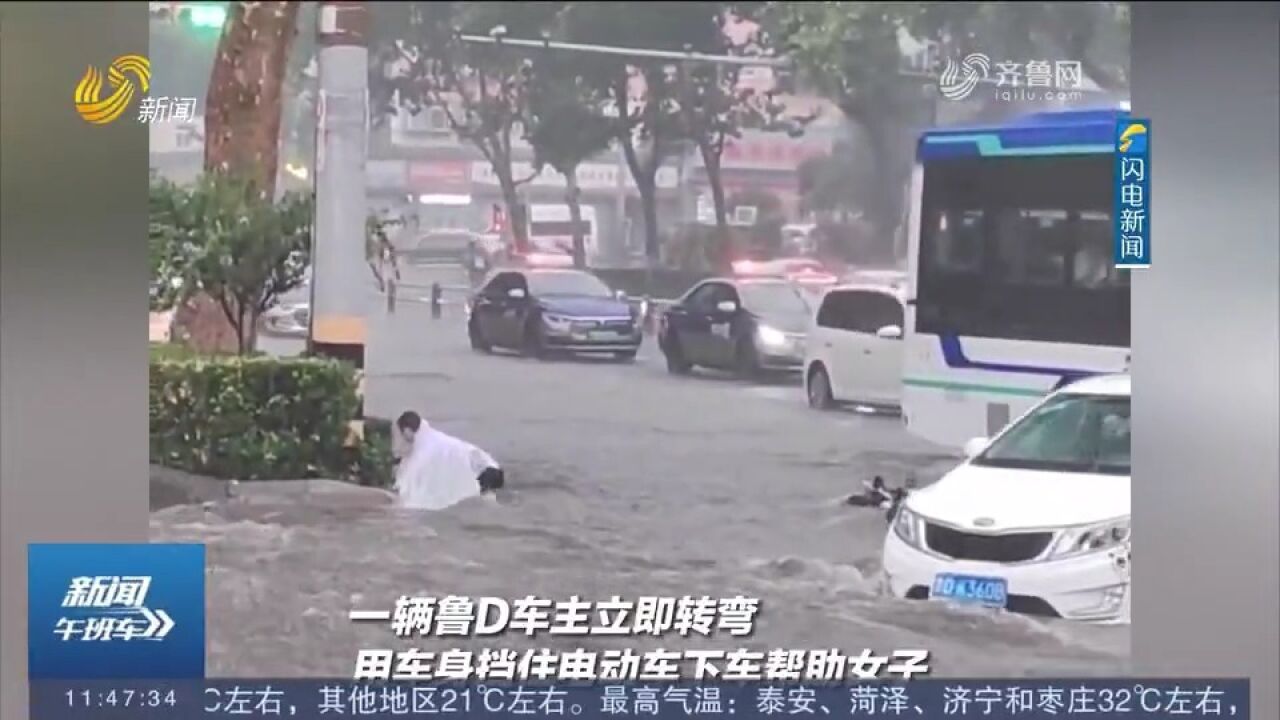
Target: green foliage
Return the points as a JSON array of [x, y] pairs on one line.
[[222, 237], [650, 127], [850, 52], [174, 351], [250, 418], [375, 465], [482, 89]]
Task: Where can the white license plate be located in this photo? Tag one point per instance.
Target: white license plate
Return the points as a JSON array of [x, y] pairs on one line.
[[602, 335]]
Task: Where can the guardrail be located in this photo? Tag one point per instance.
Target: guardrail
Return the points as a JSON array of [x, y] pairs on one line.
[[455, 295]]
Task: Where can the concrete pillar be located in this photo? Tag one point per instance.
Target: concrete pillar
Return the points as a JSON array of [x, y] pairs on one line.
[[339, 269]]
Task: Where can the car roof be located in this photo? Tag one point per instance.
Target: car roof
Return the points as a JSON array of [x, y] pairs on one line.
[[536, 269], [1116, 385], [882, 288], [749, 280]]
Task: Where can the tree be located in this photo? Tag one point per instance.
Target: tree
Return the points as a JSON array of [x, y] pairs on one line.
[[851, 52], [565, 125], [830, 183], [714, 109], [242, 116], [641, 91], [246, 92], [222, 239], [482, 89]]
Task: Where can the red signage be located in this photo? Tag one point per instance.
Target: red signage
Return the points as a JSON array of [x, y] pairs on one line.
[[440, 176], [780, 153]]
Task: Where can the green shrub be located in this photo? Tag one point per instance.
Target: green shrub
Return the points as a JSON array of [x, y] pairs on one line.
[[376, 465], [250, 418]]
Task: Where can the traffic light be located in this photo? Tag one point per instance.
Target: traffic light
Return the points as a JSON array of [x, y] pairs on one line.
[[202, 16], [207, 16]]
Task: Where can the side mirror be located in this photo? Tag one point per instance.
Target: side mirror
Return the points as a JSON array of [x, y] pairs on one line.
[[516, 293], [727, 306], [890, 332], [974, 447], [620, 295]]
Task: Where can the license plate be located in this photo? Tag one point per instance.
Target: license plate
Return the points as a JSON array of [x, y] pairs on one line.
[[988, 591], [602, 335]]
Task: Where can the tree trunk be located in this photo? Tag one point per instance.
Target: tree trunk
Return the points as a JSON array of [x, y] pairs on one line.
[[649, 206], [246, 91], [724, 239], [885, 204], [242, 127], [517, 218], [572, 197], [645, 177]]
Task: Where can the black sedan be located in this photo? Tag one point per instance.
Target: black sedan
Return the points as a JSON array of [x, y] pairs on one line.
[[542, 311], [750, 326]]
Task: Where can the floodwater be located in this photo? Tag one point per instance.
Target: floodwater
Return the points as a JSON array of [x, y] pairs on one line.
[[622, 481]]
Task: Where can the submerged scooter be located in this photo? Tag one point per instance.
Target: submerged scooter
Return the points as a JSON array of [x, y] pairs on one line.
[[878, 495]]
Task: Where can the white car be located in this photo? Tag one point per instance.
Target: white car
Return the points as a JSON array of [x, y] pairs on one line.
[[1036, 521], [854, 349]]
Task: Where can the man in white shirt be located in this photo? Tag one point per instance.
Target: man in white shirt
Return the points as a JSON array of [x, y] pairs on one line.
[[440, 470]]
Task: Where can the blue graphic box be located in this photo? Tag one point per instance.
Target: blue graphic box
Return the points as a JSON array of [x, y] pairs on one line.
[[115, 611]]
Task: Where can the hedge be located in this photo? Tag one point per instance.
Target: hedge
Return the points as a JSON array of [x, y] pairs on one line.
[[251, 418], [376, 465]]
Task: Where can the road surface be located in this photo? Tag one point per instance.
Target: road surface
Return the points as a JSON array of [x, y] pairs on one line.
[[622, 480]]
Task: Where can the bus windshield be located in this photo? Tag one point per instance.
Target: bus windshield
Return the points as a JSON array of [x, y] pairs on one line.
[[1020, 248]]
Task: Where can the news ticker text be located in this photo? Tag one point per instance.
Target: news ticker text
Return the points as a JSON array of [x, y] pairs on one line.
[[1025, 699]]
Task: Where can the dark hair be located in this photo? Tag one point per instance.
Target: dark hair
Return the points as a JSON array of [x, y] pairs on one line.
[[409, 420]]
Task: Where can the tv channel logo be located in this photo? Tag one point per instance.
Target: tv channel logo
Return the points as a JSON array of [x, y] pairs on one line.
[[1133, 139], [115, 611]]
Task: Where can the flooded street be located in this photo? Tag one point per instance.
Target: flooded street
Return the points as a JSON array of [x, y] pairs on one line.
[[622, 480]]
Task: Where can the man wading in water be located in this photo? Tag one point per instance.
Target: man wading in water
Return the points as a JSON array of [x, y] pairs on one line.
[[440, 470]]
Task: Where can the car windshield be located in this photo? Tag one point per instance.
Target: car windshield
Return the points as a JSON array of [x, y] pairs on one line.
[[567, 283], [773, 298], [1069, 433]]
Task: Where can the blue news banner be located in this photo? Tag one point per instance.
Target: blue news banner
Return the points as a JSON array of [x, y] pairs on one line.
[[118, 631]]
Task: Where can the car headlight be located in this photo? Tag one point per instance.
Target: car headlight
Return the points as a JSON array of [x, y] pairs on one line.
[[771, 336], [906, 525], [1091, 538], [557, 322]]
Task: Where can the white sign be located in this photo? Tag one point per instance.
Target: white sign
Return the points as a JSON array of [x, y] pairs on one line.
[[386, 174], [177, 137], [591, 176]]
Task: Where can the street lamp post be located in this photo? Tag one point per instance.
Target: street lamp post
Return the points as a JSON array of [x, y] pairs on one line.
[[338, 325]]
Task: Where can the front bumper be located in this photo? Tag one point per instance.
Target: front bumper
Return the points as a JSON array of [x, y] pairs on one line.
[[586, 342], [788, 357], [1090, 588]]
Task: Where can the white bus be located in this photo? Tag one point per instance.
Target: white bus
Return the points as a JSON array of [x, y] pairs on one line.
[[1013, 286]]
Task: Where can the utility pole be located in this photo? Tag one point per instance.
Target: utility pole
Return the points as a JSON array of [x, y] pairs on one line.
[[338, 302]]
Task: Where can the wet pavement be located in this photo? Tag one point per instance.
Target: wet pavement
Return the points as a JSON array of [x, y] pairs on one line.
[[622, 480]]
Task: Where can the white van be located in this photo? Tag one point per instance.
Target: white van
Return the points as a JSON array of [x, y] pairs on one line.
[[551, 230], [854, 348]]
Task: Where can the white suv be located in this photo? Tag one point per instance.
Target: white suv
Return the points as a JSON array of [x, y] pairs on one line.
[[854, 348]]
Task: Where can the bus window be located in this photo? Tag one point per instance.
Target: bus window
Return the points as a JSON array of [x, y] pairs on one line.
[[958, 246], [1010, 248]]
